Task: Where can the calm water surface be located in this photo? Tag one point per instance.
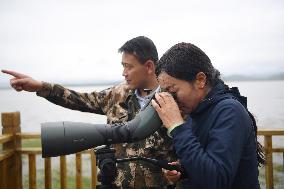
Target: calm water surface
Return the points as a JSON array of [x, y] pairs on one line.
[[265, 101]]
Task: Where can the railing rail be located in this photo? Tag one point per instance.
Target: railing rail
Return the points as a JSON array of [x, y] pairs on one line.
[[11, 158], [12, 150]]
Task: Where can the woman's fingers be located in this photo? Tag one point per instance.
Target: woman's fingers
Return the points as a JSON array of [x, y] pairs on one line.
[[159, 99], [164, 99], [167, 109], [166, 95], [156, 105]]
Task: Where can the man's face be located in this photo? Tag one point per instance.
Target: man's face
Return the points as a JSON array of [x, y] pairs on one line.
[[188, 95], [135, 74]]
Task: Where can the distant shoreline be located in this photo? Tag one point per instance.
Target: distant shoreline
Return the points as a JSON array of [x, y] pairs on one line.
[[231, 78], [7, 86]]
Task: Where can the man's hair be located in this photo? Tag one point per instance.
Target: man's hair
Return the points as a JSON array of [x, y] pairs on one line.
[[184, 61], [142, 47]]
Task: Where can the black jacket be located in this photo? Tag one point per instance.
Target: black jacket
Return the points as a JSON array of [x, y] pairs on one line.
[[217, 145]]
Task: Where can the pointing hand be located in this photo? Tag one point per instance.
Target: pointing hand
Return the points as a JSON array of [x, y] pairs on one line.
[[23, 82]]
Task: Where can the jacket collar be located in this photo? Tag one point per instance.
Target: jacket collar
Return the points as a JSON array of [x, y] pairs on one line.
[[219, 92]]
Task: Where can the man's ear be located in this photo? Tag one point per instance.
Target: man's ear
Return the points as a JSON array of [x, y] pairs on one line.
[[150, 66], [200, 80]]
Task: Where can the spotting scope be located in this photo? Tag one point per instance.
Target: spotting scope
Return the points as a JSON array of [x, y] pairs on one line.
[[63, 138]]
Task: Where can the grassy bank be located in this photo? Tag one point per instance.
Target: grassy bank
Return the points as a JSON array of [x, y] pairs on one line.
[[278, 176]]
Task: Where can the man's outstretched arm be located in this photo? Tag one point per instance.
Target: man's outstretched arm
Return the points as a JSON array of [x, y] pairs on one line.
[[57, 94]]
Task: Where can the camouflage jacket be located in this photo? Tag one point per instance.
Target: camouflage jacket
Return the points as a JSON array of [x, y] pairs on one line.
[[119, 104]]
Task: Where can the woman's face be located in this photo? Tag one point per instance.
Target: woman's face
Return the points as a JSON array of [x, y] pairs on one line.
[[188, 94]]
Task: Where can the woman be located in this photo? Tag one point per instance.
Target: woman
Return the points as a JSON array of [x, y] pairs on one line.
[[217, 144]]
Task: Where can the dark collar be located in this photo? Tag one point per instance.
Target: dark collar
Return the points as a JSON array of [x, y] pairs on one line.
[[219, 92]]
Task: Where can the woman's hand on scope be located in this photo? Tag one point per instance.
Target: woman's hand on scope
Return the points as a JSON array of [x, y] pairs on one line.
[[167, 109]]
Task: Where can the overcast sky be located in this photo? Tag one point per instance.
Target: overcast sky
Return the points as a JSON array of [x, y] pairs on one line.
[[78, 40]]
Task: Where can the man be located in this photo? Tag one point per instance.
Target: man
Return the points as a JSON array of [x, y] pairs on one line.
[[119, 103], [217, 144]]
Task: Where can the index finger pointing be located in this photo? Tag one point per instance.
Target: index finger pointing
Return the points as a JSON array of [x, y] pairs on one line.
[[13, 73]]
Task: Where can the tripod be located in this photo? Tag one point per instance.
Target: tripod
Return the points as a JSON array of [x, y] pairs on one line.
[[106, 161]]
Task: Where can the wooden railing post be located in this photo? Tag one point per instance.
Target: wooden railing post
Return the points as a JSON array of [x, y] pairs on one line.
[[78, 171], [94, 170], [32, 171], [63, 172], [13, 165], [269, 163], [47, 171]]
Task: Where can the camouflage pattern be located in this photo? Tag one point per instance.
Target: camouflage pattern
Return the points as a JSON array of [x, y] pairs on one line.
[[119, 104]]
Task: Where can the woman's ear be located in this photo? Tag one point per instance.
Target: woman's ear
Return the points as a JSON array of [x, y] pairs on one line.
[[200, 80]]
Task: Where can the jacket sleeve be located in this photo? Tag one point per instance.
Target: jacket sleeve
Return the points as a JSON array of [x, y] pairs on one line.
[[95, 102], [215, 164]]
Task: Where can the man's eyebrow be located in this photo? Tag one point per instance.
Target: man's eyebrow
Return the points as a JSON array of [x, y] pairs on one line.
[[124, 63]]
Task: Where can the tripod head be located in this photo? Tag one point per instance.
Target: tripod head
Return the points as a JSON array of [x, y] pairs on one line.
[[106, 162]]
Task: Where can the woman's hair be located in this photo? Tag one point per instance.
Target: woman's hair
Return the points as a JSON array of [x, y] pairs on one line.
[[184, 61], [259, 148]]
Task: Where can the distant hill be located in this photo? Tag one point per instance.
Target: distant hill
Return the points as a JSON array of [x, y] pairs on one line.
[[238, 77], [277, 76]]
